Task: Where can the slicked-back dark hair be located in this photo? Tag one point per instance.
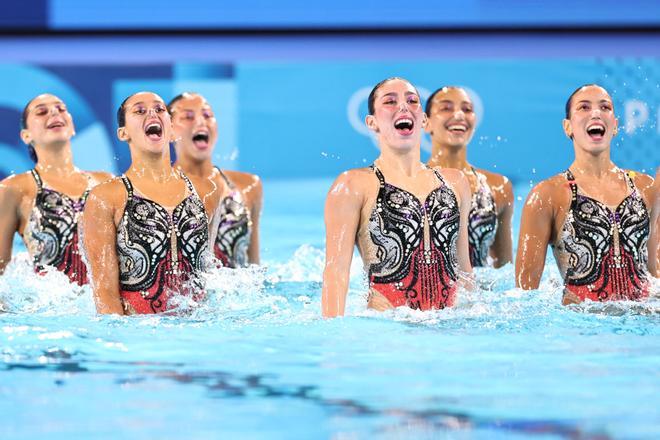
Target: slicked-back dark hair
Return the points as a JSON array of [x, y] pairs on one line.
[[570, 98], [121, 111], [372, 96], [178, 98], [26, 110], [429, 102]]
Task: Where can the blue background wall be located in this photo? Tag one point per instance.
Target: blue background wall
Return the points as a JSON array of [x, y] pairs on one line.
[[291, 104]]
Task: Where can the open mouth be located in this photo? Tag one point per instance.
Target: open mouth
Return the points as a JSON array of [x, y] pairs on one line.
[[154, 131], [55, 124], [596, 131], [404, 126], [201, 139], [457, 128]]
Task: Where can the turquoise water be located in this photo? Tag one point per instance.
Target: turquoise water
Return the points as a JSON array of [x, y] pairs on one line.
[[257, 361]]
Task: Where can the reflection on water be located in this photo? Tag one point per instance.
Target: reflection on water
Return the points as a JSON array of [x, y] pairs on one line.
[[502, 362]]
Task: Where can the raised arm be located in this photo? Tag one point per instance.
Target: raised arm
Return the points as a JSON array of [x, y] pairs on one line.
[[502, 249], [535, 235], [99, 241], [10, 199], [342, 217]]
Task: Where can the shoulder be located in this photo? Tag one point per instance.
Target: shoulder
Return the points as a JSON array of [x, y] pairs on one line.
[[641, 180], [549, 192], [455, 178], [243, 180], [18, 185], [100, 176], [497, 182], [111, 191], [355, 182]]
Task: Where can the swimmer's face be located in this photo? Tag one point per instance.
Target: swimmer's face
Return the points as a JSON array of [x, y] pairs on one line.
[[452, 118], [398, 117], [47, 121], [148, 126], [195, 127], [591, 122]]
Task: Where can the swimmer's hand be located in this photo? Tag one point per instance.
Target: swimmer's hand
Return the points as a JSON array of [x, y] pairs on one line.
[[570, 298], [378, 302]]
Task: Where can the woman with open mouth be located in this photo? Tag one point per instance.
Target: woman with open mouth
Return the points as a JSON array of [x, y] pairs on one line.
[[409, 221], [451, 125], [594, 215], [44, 204], [196, 131], [146, 233]]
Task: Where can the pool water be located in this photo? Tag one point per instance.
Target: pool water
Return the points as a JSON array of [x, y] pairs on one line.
[[257, 361]]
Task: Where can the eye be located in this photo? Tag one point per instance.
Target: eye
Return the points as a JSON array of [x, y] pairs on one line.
[[583, 107], [160, 108], [413, 100], [389, 101], [139, 110], [468, 109], [208, 115], [41, 111], [606, 107], [189, 116]]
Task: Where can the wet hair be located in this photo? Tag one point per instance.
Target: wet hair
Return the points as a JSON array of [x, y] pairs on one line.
[[372, 95], [570, 98], [26, 110], [429, 102], [121, 111], [178, 98]]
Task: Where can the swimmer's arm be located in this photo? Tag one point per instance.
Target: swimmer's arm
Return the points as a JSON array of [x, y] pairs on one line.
[[99, 241], [342, 216], [535, 233], [502, 249], [654, 238], [462, 185], [256, 195], [10, 199]]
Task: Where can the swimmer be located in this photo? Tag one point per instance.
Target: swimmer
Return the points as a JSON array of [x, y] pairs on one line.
[[146, 233], [594, 215], [654, 240], [196, 131], [451, 125], [409, 221], [44, 204]]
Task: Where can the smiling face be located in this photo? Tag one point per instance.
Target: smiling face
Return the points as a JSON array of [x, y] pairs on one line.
[[451, 119], [147, 123], [591, 122], [398, 118], [47, 121], [195, 127]]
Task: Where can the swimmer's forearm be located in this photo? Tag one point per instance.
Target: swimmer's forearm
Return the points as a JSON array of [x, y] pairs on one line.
[[333, 296]]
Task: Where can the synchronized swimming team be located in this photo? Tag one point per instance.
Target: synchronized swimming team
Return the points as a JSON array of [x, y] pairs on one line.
[[143, 239]]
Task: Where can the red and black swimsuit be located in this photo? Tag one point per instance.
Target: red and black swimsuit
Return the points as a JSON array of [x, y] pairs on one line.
[[607, 249], [413, 269], [160, 252], [234, 228], [51, 235]]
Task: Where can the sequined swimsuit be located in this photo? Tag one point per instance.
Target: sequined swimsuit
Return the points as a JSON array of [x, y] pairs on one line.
[[234, 229], [482, 222], [51, 235], [605, 251], [416, 246], [160, 253]]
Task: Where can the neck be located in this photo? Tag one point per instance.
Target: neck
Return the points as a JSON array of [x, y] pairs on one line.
[[155, 167], [447, 156], [56, 160], [407, 163], [192, 167], [596, 165]]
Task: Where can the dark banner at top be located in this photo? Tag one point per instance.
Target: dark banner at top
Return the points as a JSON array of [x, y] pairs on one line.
[[63, 15]]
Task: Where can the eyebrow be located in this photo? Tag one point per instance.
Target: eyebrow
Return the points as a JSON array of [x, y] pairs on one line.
[[44, 104], [142, 102], [395, 93], [588, 101]]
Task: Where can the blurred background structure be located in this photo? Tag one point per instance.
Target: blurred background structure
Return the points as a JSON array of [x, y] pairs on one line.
[[289, 80]]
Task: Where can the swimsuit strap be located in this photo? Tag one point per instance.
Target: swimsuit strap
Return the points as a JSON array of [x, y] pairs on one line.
[[128, 185], [571, 182], [379, 174], [37, 179], [439, 176], [229, 183], [480, 178], [189, 185], [629, 179]]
